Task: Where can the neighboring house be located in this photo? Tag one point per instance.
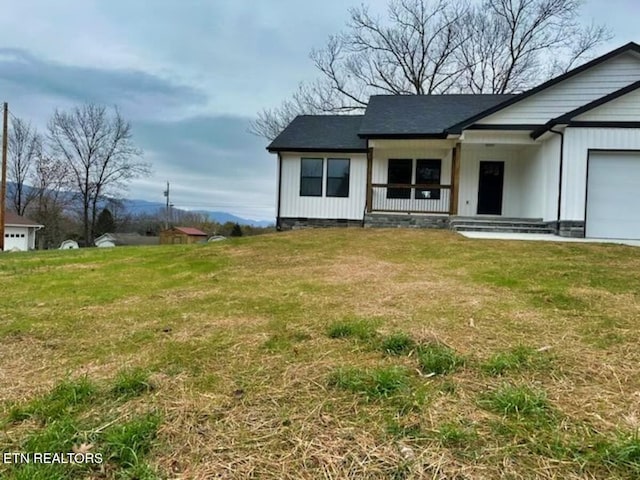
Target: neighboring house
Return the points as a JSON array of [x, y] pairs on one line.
[[177, 235], [69, 245], [562, 157], [124, 239], [19, 232]]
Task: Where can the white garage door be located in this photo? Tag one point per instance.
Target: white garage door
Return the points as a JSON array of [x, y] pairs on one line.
[[613, 195]]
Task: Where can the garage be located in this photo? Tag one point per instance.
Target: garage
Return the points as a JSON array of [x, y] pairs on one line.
[[613, 195]]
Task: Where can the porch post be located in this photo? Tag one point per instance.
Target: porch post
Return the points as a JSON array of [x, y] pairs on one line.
[[455, 179], [369, 179]]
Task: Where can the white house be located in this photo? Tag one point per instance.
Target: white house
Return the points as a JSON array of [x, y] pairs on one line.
[[562, 157], [19, 232]]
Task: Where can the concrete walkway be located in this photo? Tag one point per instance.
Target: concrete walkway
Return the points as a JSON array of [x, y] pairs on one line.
[[545, 237]]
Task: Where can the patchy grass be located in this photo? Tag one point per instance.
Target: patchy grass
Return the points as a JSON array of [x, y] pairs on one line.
[[435, 358], [363, 330], [398, 344], [60, 402], [311, 354], [131, 383], [516, 359], [372, 383], [519, 401]]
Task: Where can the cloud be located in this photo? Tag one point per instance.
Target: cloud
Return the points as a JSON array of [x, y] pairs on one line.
[[212, 163], [140, 95]]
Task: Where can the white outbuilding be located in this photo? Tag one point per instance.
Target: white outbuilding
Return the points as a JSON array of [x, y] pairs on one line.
[[19, 232]]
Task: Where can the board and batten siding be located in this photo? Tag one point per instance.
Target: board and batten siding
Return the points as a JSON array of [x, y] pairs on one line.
[[539, 181], [572, 93], [622, 109], [578, 142], [516, 162], [292, 205]]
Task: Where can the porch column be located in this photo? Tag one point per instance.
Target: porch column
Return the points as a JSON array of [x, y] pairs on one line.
[[369, 179], [455, 179]]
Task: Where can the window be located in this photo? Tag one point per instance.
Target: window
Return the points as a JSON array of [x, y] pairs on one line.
[[22, 235], [338, 177], [428, 172], [311, 177], [399, 172]]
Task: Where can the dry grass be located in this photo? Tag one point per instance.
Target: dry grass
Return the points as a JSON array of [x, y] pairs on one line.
[[234, 336]]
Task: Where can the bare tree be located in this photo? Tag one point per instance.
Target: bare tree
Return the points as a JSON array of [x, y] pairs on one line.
[[24, 146], [439, 46], [97, 148], [519, 43], [50, 183]]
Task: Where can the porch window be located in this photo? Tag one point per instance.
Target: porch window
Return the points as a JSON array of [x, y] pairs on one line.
[[311, 177], [428, 172], [338, 177], [399, 172]]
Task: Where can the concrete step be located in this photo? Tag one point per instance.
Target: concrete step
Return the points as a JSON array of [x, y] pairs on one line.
[[498, 224], [504, 228]]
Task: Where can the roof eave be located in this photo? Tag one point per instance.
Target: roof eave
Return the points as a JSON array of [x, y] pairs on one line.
[[629, 47], [316, 149], [404, 136]]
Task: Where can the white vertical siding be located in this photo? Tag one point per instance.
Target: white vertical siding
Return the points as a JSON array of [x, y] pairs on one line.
[[519, 185], [293, 205], [539, 181], [572, 93], [622, 109], [578, 142]]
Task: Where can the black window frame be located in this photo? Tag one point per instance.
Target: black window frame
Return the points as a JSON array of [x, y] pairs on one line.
[[399, 193], [434, 193], [342, 178], [311, 177]]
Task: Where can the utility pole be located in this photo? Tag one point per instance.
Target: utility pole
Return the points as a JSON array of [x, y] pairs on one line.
[[167, 213], [3, 189]]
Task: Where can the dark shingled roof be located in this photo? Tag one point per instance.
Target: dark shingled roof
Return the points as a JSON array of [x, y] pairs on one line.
[[422, 115], [321, 133]]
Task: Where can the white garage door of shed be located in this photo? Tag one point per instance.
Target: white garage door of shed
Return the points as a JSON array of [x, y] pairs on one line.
[[613, 195]]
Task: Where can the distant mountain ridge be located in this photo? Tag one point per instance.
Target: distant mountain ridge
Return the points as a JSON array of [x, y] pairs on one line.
[[137, 206]]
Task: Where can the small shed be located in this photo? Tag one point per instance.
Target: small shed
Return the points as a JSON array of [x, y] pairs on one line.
[[182, 235], [69, 245], [19, 232], [124, 239]]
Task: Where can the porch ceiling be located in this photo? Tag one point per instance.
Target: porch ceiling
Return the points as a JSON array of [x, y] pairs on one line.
[[504, 137], [413, 144]]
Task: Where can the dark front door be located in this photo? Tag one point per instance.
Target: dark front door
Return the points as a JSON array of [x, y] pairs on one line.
[[490, 188]]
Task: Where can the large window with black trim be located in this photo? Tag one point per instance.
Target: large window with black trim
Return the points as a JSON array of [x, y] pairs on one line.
[[335, 177], [428, 173], [311, 170], [338, 177], [407, 171]]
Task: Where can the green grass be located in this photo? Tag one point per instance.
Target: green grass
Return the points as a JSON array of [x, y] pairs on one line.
[[125, 444], [372, 383], [302, 355], [132, 383], [360, 329], [398, 344], [435, 358], [518, 401], [515, 359], [62, 400]]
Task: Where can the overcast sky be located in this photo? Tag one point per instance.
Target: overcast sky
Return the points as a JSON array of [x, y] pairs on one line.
[[189, 75]]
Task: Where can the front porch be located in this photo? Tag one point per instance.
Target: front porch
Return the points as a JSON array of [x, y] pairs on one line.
[[511, 178]]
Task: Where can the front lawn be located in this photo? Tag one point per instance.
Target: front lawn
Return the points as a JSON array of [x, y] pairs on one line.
[[339, 353]]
